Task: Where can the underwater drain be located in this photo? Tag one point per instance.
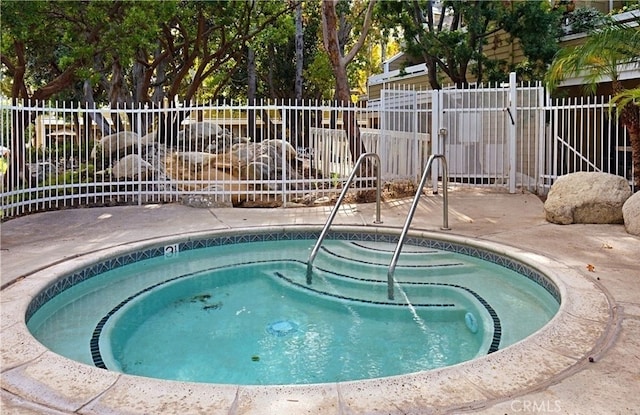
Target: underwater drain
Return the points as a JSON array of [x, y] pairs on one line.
[[282, 328]]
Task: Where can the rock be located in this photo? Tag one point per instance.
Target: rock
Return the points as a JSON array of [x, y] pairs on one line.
[[245, 151], [120, 142], [273, 147], [131, 167], [587, 197], [195, 160], [150, 138], [322, 200], [199, 169], [207, 201], [39, 172], [257, 170], [242, 162], [205, 129], [205, 136], [225, 144], [631, 214]]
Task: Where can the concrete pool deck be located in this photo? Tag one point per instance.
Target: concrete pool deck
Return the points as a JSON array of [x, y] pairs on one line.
[[586, 361]]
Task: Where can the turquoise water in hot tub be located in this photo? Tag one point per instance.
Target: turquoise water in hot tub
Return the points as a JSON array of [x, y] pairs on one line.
[[243, 313]]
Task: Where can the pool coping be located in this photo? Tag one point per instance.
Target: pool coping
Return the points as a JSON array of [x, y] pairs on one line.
[[577, 333]]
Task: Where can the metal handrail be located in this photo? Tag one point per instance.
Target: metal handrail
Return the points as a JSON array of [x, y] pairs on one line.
[[345, 189], [412, 211]]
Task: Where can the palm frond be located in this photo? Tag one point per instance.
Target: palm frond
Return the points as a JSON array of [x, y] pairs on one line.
[[601, 56], [626, 97]]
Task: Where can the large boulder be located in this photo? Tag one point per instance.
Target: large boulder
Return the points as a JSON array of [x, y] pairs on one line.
[[121, 143], [201, 136], [631, 214], [195, 160], [587, 197], [131, 166]]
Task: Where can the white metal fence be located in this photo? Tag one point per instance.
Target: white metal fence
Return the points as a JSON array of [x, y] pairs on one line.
[[221, 154], [583, 134]]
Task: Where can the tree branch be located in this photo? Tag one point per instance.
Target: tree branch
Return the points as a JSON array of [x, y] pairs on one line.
[[363, 34]]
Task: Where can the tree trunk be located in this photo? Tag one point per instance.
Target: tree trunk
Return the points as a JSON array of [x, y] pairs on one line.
[[421, 20], [432, 71], [160, 65], [339, 62], [251, 94], [631, 121], [16, 175], [140, 84], [296, 120], [332, 45], [18, 88], [630, 118], [96, 116], [299, 52], [634, 138]]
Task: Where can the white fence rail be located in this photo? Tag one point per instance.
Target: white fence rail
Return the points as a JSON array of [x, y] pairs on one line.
[[213, 154], [502, 136], [583, 135]]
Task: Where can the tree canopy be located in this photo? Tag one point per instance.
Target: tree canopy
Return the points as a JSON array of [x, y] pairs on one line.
[[129, 51], [145, 52], [449, 36]]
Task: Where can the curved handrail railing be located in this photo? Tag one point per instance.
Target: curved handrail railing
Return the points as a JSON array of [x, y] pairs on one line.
[[334, 211], [412, 211]]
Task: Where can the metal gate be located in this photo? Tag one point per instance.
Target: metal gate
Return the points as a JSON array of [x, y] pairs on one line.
[[491, 136]]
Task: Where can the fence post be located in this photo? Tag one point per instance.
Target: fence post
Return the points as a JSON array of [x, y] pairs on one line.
[[416, 128], [437, 146], [542, 103], [139, 134], [513, 108], [283, 155]]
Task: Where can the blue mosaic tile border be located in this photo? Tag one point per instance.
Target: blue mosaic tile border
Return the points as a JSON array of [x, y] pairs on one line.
[[509, 263], [66, 282]]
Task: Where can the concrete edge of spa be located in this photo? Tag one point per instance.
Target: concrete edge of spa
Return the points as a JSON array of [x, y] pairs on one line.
[[36, 380]]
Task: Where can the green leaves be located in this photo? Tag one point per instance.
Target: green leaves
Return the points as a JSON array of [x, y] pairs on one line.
[[150, 46], [452, 36], [602, 55]]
